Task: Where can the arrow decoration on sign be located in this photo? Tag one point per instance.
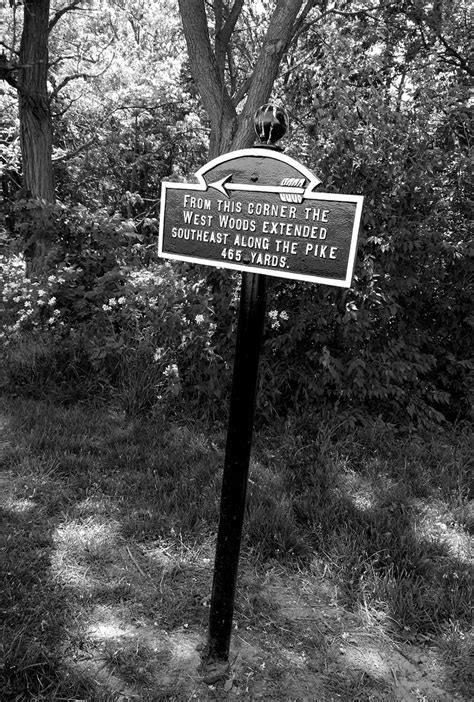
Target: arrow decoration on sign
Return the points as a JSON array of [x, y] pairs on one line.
[[225, 187], [258, 210]]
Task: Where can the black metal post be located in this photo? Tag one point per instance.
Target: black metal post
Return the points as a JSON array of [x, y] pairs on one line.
[[236, 465], [270, 124]]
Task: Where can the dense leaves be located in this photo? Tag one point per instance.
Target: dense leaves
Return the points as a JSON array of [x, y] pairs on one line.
[[378, 96], [380, 120], [98, 325]]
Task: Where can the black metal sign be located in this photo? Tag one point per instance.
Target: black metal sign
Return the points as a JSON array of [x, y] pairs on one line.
[[256, 210]]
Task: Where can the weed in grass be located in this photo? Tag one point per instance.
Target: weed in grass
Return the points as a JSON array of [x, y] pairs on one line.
[[44, 680], [131, 660], [458, 651], [272, 529], [368, 528], [139, 382], [84, 549], [36, 610], [357, 687]]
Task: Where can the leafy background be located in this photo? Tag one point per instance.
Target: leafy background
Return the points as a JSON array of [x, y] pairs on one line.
[[379, 107]]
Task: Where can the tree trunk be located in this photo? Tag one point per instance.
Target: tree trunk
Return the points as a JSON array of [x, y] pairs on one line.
[[35, 122], [279, 34], [228, 130], [208, 76]]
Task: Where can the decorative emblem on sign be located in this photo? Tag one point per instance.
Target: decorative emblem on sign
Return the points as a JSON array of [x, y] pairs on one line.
[[270, 123], [257, 210]]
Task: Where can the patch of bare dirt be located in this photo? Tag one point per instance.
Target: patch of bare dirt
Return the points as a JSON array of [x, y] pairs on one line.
[[301, 646]]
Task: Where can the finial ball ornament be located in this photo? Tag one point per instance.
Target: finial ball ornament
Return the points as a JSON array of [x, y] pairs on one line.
[[270, 123]]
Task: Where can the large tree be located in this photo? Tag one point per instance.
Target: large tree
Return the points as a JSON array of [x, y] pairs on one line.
[[380, 95], [209, 38], [34, 108], [97, 92], [28, 74]]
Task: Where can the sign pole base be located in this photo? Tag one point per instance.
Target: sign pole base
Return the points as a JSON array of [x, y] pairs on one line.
[[236, 464]]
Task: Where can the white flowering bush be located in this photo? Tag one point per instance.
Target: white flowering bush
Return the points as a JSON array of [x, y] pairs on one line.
[[96, 324]]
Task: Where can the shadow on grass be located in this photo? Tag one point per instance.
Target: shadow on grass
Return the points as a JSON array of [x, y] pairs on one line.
[[107, 527], [37, 610], [79, 492], [392, 529]]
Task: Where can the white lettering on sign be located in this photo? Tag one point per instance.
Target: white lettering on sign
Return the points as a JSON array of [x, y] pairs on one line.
[[256, 257], [196, 203], [252, 242], [267, 210], [287, 246], [229, 206], [209, 237], [235, 226], [237, 223], [268, 260], [192, 214], [321, 251], [302, 230], [316, 214], [202, 220]]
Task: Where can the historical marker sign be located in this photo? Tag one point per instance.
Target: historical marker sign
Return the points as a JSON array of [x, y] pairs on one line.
[[257, 210]]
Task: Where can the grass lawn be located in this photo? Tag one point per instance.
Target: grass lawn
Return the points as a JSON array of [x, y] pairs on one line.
[[354, 581]]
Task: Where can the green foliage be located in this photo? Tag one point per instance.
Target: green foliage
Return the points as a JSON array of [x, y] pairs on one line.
[[386, 118], [380, 106], [97, 324]]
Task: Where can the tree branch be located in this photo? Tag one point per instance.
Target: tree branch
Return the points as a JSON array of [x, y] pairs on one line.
[[304, 13], [68, 8], [75, 76], [87, 144], [7, 68], [223, 31], [219, 49], [217, 17], [232, 73], [231, 21], [239, 95], [277, 39], [78, 150], [461, 62], [83, 147], [9, 48], [206, 72], [65, 81]]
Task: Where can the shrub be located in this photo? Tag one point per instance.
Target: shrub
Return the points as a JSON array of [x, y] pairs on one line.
[[396, 344], [98, 324]]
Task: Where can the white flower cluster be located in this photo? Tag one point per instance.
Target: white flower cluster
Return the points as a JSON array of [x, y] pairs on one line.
[[29, 298], [114, 302], [276, 317], [171, 371], [159, 353]]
